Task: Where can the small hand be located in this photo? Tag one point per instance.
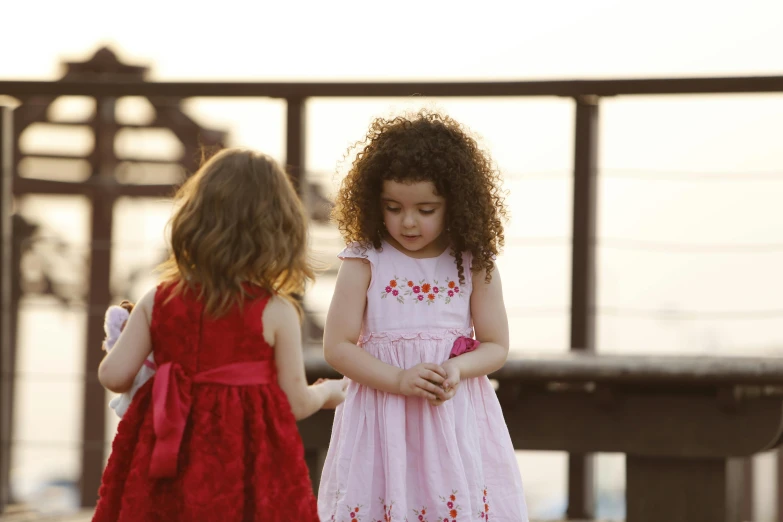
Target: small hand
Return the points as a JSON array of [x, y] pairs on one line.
[[423, 380], [335, 389], [450, 384]]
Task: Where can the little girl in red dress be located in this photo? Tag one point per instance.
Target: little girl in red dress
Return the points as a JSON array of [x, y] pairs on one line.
[[213, 435]]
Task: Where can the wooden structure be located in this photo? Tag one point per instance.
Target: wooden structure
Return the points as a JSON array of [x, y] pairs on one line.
[[102, 188], [609, 407], [685, 424]]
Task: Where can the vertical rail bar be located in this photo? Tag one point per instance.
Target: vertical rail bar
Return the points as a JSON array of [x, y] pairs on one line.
[[99, 298], [7, 359], [296, 128], [580, 467]]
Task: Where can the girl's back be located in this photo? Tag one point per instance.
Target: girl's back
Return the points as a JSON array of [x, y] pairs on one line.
[[240, 456], [213, 435], [182, 333]]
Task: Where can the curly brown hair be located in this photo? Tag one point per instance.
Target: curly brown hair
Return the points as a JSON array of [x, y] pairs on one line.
[[238, 220], [426, 146]]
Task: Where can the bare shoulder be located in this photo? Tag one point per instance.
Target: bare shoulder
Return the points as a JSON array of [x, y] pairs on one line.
[[147, 303], [356, 271], [278, 313]]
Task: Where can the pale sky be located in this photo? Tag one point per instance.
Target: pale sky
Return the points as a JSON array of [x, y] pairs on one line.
[[407, 39]]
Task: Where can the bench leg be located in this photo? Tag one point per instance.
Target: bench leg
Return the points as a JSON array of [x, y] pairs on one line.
[[683, 489]]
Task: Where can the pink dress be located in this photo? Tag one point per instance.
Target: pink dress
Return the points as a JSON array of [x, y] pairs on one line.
[[397, 458]]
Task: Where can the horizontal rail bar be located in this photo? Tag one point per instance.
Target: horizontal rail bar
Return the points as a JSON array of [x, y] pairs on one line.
[[630, 369], [566, 88]]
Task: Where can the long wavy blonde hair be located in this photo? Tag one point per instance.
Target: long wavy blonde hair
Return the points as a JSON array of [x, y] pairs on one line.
[[238, 220]]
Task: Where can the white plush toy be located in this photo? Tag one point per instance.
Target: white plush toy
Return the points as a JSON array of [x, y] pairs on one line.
[[114, 322]]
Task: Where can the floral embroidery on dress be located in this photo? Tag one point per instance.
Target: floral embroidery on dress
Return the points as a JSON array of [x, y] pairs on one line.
[[405, 290], [353, 513], [485, 513], [387, 511], [450, 513]]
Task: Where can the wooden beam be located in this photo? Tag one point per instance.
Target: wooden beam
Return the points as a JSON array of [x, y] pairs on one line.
[[296, 128], [682, 490], [7, 268], [580, 466], [665, 370], [665, 422], [294, 90], [99, 298], [90, 188]]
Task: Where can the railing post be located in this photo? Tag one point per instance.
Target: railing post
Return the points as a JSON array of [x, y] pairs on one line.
[[780, 485], [583, 274], [7, 366], [99, 298], [295, 144]]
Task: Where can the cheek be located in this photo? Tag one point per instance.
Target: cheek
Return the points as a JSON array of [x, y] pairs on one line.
[[436, 223], [389, 219]]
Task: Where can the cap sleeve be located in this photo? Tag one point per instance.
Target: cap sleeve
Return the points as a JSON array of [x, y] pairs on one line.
[[361, 251], [358, 251]]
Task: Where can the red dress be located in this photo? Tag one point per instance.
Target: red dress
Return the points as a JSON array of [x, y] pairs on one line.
[[211, 436]]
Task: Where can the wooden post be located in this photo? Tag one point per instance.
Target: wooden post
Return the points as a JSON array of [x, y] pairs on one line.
[[7, 366], [94, 415], [691, 489], [580, 466], [295, 143]]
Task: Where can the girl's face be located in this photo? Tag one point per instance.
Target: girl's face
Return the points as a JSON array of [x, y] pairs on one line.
[[415, 216]]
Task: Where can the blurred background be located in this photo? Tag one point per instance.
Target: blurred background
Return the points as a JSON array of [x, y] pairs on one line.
[[689, 232]]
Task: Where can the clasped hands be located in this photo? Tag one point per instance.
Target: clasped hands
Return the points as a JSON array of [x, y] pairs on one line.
[[437, 383]]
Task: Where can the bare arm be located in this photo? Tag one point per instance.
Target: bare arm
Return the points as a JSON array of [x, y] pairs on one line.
[[283, 331], [341, 333], [120, 366], [491, 325]]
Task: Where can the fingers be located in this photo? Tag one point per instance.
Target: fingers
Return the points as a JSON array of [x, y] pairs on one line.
[[433, 390], [424, 394], [431, 376], [434, 368]]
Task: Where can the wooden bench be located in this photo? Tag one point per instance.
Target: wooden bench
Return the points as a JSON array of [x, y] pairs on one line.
[[684, 423]]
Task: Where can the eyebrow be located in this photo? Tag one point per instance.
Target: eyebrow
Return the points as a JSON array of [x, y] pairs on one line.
[[390, 200]]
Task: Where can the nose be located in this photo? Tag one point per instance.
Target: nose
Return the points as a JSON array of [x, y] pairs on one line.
[[408, 221]]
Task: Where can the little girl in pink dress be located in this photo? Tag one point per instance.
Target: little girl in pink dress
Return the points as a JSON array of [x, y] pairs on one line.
[[421, 435]]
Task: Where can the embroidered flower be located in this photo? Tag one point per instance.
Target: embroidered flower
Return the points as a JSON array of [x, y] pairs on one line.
[[453, 509], [387, 511], [420, 515], [405, 289], [485, 513]]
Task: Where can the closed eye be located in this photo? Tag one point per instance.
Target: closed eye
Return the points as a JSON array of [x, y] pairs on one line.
[[427, 212], [393, 209]]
